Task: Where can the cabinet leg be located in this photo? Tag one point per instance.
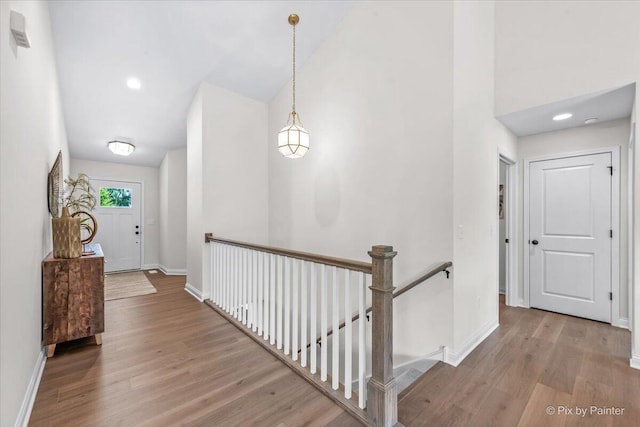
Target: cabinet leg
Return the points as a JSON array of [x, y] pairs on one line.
[[98, 338], [50, 350]]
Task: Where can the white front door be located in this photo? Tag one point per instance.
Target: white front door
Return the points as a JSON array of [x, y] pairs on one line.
[[569, 232], [119, 223]]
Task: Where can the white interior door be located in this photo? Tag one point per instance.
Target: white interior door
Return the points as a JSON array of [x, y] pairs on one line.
[[119, 223], [569, 232]]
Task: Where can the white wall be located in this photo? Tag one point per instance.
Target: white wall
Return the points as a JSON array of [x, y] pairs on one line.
[[32, 131], [377, 100], [634, 271], [614, 133], [173, 212], [477, 136], [150, 177], [227, 173], [583, 47], [195, 230], [234, 146]]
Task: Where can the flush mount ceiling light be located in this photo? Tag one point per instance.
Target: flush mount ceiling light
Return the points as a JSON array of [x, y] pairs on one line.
[[293, 139], [563, 116], [134, 83], [121, 148]]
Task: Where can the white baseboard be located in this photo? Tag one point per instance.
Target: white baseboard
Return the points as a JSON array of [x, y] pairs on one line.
[[30, 396], [150, 266], [621, 323], [172, 271], [434, 355], [455, 358], [634, 362], [195, 292]]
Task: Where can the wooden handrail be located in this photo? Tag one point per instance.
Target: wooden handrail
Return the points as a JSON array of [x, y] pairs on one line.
[[319, 259], [428, 275], [441, 267]]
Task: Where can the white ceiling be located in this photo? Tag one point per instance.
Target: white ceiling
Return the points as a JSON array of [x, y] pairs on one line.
[[171, 46], [605, 105]]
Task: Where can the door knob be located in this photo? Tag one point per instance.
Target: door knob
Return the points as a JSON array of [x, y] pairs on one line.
[[534, 242]]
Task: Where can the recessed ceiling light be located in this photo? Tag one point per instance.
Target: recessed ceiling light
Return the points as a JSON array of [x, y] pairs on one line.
[[591, 120], [563, 116], [121, 148], [134, 83]]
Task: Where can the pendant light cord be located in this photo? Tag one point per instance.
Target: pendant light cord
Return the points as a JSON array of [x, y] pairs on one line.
[[293, 106]]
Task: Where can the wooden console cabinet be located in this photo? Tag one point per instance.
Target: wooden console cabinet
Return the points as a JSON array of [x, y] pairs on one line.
[[72, 298]]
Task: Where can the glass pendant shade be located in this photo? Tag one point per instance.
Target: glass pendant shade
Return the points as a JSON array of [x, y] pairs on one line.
[[293, 141], [121, 148]]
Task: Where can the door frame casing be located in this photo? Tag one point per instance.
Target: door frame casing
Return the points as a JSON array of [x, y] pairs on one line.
[[511, 255], [142, 225], [615, 223]]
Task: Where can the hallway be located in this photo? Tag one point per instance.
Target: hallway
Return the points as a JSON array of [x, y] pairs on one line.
[[533, 361], [167, 360]]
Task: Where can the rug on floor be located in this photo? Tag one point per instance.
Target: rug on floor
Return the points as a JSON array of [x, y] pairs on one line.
[[126, 285]]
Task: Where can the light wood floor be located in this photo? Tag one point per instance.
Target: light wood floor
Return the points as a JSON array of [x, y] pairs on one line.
[[533, 361], [168, 360]]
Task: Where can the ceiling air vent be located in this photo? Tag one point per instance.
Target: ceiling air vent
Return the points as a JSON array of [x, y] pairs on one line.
[[17, 23]]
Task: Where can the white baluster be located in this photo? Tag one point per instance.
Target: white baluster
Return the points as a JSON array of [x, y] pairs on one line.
[[287, 304], [246, 287], [217, 272], [218, 275], [335, 311], [295, 282], [212, 271], [254, 292], [347, 334], [362, 340], [280, 301], [238, 285], [225, 277], [272, 292], [260, 284], [313, 318], [241, 288], [303, 318], [323, 323], [265, 283], [247, 299], [234, 289], [232, 279], [232, 284]]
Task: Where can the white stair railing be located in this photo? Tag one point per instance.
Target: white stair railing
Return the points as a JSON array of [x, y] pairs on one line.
[[292, 299]]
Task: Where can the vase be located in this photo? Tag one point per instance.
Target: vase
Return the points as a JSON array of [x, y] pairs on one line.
[[66, 236]]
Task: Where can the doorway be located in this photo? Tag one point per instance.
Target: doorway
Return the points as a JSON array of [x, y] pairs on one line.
[[506, 225], [503, 239], [118, 213], [571, 229]]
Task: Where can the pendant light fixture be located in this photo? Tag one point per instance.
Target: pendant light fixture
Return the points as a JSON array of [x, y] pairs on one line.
[[293, 139]]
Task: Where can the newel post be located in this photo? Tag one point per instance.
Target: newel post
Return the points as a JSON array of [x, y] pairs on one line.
[[382, 393]]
